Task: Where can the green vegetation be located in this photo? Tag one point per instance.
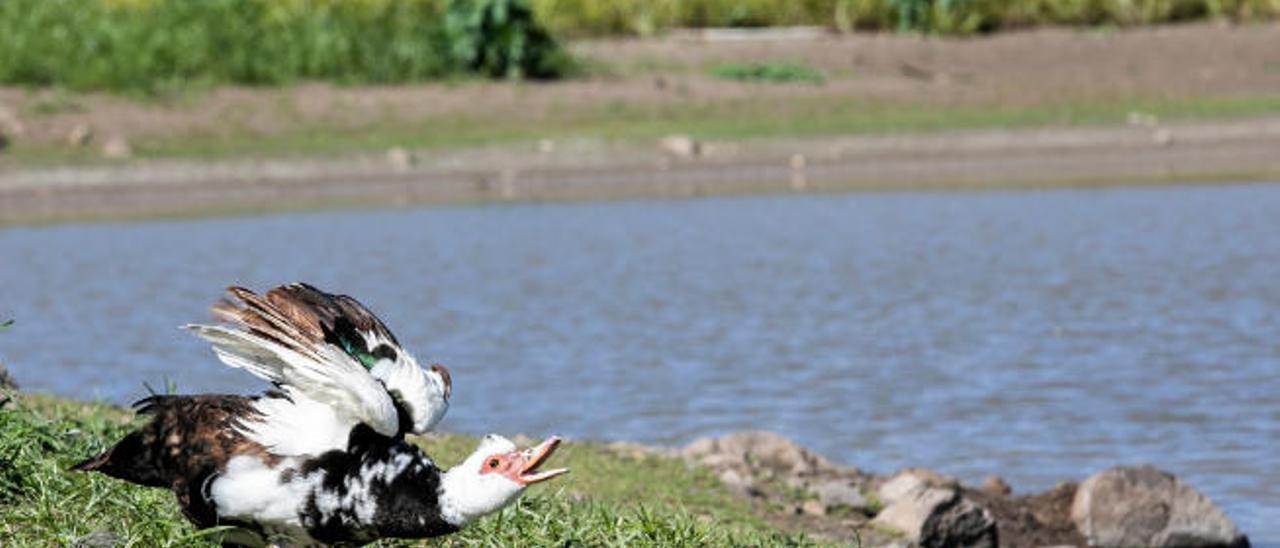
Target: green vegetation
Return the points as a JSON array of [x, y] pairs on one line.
[[778, 73], [157, 45], [608, 499], [644, 17]]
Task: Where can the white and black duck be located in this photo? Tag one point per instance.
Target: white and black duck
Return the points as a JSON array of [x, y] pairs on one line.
[[379, 487], [322, 458]]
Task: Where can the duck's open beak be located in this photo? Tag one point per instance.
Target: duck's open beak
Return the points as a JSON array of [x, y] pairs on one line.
[[535, 456]]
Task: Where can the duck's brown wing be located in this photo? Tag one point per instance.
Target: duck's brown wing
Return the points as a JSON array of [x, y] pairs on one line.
[[309, 342], [188, 439]]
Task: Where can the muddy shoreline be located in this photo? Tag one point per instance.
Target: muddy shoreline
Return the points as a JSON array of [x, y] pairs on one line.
[[589, 170]]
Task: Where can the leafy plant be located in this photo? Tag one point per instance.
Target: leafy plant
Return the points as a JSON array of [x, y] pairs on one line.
[[500, 38]]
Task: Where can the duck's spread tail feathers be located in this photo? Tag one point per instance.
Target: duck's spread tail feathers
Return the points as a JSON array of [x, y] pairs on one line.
[[134, 458]]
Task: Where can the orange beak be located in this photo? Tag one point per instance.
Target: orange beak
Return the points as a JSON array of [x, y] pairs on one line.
[[527, 461]]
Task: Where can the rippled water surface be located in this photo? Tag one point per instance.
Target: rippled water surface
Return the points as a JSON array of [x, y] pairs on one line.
[[1037, 335]]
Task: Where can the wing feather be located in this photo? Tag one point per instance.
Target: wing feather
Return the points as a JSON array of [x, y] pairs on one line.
[[322, 373]]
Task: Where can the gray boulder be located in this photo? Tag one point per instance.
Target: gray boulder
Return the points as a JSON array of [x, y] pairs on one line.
[[931, 516], [841, 493], [1144, 506]]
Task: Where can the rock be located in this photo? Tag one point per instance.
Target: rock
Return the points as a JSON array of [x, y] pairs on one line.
[[116, 148], [80, 135], [798, 161], [995, 485], [756, 450], [1145, 506], [911, 480], [700, 447], [1162, 137], [98, 539], [546, 146], [400, 159], [10, 124], [841, 493], [737, 483], [6, 381], [938, 516], [902, 486], [814, 508], [682, 146]]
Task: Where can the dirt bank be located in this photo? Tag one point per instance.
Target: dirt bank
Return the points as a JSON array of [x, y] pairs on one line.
[[583, 170]]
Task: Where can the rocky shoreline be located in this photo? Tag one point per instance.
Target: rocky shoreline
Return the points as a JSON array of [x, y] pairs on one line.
[[800, 490]]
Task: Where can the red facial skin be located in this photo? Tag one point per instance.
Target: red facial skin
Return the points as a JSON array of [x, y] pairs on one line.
[[518, 466]]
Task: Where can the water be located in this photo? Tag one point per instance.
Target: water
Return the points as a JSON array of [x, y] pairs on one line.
[[1037, 335]]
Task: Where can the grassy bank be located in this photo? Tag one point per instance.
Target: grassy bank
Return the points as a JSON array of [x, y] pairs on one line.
[[608, 499]]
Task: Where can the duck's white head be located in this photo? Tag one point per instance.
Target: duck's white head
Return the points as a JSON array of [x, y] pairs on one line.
[[424, 392], [492, 477]]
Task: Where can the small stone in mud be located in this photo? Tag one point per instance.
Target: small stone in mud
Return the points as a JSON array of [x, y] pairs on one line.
[[814, 508], [737, 484], [400, 159], [681, 146], [117, 148], [995, 485], [80, 135]]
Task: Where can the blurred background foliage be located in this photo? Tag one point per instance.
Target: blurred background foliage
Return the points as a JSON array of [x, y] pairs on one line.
[[644, 17], [154, 45]]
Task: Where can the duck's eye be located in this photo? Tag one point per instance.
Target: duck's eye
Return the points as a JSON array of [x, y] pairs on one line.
[[493, 463]]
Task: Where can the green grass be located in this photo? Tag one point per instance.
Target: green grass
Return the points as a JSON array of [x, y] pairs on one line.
[[607, 499], [774, 73], [156, 47]]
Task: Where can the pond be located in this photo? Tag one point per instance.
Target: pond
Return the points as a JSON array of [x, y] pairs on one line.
[[1040, 335]]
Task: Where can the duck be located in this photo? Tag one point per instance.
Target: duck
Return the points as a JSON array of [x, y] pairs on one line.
[[376, 487], [336, 362], [321, 458]]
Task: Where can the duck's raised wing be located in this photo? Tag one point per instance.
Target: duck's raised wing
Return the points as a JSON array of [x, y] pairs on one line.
[[284, 339]]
